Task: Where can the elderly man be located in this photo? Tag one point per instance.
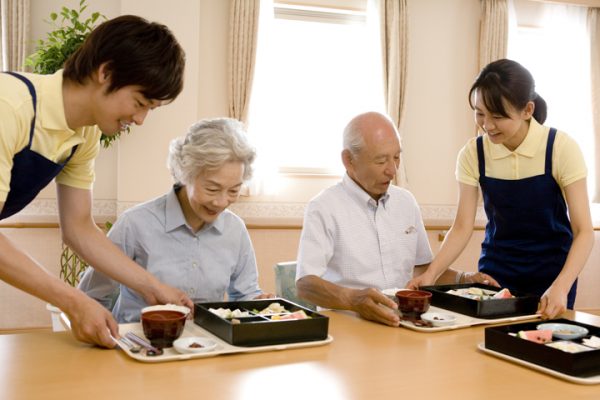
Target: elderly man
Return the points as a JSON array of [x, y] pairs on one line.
[[363, 234]]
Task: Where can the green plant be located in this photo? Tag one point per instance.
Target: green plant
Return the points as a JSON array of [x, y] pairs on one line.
[[70, 30]]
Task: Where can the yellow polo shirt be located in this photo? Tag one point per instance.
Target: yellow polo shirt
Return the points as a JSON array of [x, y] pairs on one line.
[[527, 160], [52, 138]]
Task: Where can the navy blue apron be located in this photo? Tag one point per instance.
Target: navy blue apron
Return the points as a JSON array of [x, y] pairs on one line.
[[528, 234], [31, 172]]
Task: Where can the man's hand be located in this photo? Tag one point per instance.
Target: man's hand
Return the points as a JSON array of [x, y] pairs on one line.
[[92, 323], [373, 305]]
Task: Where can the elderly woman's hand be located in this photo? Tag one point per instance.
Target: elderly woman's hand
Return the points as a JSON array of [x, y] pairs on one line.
[[479, 277], [264, 296]]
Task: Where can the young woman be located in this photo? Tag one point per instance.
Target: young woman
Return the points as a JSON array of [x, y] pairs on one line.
[[187, 238], [50, 127], [533, 181]]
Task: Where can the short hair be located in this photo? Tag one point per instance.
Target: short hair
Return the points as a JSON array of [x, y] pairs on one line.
[[353, 138], [136, 52], [207, 146]]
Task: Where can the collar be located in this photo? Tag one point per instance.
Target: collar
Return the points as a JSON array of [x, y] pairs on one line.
[[174, 217], [359, 193], [51, 116], [529, 146]]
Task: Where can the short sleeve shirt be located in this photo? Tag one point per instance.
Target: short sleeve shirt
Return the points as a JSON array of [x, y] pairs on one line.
[[218, 259], [52, 138], [352, 240], [527, 160]]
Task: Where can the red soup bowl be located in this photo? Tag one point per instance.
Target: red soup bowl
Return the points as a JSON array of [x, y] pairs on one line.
[[413, 303], [163, 324]]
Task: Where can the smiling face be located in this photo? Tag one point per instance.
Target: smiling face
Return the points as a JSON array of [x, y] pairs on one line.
[[114, 111], [374, 166], [509, 131], [211, 193]]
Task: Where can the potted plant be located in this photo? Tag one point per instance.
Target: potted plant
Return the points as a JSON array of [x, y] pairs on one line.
[[70, 30]]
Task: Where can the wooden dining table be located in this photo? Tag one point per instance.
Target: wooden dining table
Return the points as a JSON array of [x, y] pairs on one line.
[[365, 361]]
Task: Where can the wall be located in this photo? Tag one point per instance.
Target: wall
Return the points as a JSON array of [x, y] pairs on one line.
[[272, 245], [442, 59]]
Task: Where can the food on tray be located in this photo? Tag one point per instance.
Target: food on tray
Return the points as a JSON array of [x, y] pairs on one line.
[[273, 308], [226, 313], [565, 331], [476, 293], [300, 314], [569, 347], [592, 341], [537, 336], [195, 345]]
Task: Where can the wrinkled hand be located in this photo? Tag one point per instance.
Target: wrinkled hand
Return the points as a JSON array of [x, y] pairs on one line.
[[553, 303], [92, 323], [422, 280], [373, 305], [479, 277], [165, 294], [264, 296]]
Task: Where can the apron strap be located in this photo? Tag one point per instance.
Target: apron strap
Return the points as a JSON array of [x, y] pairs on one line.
[[480, 159], [33, 98], [549, 147]]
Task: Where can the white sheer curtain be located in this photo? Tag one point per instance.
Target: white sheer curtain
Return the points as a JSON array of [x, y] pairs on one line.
[[242, 55], [14, 35], [593, 16], [553, 43], [493, 34], [394, 38]]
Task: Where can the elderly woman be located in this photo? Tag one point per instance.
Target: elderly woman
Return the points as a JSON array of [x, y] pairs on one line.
[[187, 238]]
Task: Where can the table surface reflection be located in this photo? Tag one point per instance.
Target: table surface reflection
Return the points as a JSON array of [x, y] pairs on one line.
[[365, 361]]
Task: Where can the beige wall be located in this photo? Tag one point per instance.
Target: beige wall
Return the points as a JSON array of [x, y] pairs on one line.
[[19, 310], [442, 59]]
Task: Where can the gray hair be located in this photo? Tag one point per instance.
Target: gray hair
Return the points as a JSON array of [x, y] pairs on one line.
[[208, 145], [353, 138]]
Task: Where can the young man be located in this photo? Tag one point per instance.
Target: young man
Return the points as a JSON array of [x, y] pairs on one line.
[[50, 127]]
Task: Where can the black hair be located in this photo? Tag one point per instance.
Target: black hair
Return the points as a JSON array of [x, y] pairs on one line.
[[509, 80], [136, 52]]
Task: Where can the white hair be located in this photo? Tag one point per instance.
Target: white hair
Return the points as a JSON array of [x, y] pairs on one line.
[[208, 145]]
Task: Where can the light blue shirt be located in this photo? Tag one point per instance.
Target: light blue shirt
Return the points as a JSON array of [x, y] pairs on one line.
[[216, 260], [352, 240]]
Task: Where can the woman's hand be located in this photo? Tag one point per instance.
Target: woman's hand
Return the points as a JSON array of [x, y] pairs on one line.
[[479, 277], [553, 303], [422, 280]]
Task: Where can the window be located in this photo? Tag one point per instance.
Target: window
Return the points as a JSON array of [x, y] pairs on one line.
[[552, 42], [316, 68]]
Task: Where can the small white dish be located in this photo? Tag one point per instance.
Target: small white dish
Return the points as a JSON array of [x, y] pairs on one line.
[[439, 319], [564, 331], [189, 345]]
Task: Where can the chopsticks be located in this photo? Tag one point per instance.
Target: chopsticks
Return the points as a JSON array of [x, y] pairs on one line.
[[150, 350]]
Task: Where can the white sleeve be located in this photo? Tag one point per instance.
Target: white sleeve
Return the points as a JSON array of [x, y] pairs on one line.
[[316, 242]]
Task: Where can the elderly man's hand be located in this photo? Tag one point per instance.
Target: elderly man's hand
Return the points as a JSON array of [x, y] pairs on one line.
[[373, 305]]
